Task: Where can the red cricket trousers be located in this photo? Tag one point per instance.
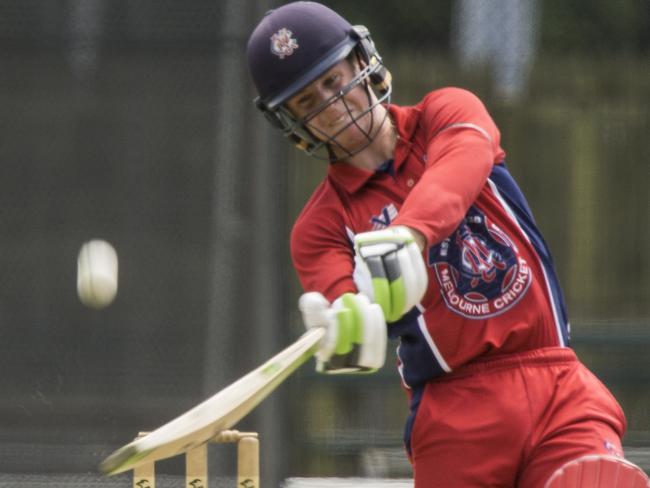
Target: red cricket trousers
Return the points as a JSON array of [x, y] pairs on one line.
[[511, 421]]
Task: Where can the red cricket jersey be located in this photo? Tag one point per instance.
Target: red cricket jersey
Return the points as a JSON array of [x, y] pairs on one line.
[[492, 287]]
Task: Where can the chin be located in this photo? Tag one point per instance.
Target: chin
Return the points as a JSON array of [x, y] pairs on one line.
[[353, 135]]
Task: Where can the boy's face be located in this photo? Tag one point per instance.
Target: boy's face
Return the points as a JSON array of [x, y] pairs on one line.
[[328, 115]]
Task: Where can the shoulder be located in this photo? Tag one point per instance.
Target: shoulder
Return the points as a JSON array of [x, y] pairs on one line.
[[451, 101], [453, 107], [323, 201], [323, 216], [450, 94]]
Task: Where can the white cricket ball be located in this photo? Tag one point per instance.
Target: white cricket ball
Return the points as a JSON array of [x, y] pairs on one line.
[[97, 274]]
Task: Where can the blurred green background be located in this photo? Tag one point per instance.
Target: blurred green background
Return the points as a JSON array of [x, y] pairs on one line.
[[132, 121]]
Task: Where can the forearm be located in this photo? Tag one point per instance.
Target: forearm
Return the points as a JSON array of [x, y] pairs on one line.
[[419, 238], [446, 190]]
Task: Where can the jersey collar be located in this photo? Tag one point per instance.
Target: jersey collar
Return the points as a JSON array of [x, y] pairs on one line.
[[351, 178]]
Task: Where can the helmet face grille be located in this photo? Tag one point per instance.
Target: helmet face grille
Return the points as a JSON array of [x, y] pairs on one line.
[[326, 146]]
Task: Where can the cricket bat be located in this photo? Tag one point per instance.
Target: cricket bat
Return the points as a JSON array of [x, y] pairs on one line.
[[219, 412]]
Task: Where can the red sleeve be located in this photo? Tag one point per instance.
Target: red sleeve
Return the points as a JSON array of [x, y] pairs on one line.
[[320, 249], [462, 145]]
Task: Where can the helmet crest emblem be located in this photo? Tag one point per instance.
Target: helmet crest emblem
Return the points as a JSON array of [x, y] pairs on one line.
[[282, 44]]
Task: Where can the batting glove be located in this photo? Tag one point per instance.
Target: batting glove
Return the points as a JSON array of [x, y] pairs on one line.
[[391, 261], [355, 339]]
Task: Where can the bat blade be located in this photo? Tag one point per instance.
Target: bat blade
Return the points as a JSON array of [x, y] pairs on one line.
[[219, 412]]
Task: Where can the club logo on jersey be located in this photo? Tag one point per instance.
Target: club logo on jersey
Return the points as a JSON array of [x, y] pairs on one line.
[[282, 44], [479, 269], [383, 220]]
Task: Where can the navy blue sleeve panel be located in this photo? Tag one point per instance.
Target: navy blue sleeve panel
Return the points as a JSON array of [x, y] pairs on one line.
[[515, 200]]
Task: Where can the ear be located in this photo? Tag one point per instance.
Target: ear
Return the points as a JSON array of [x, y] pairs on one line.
[[356, 61]]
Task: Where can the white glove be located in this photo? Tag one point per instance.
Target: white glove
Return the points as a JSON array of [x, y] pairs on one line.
[[356, 335], [391, 261]]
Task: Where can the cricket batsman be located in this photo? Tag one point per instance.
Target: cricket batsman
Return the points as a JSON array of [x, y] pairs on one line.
[[420, 233]]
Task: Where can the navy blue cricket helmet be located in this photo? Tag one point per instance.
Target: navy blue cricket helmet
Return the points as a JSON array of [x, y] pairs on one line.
[[294, 45]]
